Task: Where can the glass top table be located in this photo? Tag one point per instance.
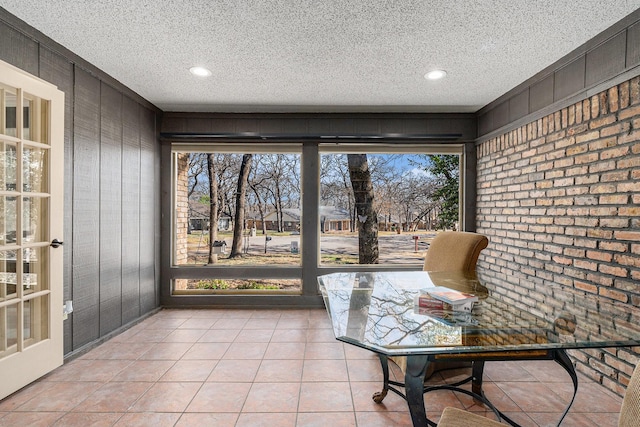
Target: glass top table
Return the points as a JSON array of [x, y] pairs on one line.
[[377, 311]]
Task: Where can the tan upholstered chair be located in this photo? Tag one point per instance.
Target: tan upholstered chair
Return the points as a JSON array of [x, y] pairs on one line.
[[629, 413], [455, 251], [450, 251]]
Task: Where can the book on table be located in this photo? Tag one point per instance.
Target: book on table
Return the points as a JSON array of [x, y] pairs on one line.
[[448, 317], [441, 298]]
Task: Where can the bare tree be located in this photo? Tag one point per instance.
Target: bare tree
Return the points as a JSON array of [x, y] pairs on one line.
[[275, 172], [366, 216], [283, 189], [241, 192], [227, 174], [336, 184], [387, 181], [213, 206], [197, 165], [275, 184], [258, 182]]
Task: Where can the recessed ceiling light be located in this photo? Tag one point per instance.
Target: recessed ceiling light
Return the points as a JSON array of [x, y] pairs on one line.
[[200, 71], [435, 74]]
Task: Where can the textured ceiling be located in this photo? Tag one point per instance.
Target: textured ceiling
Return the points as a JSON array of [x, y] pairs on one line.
[[321, 55]]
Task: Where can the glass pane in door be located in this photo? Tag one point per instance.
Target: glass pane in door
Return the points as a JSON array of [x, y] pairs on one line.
[[34, 269], [8, 215], [34, 213], [35, 111], [34, 161], [7, 166], [9, 102], [35, 320], [8, 275], [9, 330]]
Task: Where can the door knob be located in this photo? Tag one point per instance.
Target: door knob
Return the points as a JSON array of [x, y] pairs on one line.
[[56, 243]]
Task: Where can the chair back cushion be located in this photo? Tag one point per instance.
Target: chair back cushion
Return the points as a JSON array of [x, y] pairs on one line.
[[455, 251], [630, 412]]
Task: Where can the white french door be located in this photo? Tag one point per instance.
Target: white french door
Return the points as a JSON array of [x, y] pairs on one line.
[[31, 213]]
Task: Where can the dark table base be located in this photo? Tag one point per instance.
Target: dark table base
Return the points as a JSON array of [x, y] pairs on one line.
[[417, 366]]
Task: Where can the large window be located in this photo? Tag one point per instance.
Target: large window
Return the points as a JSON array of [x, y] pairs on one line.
[[384, 208], [242, 225], [237, 208]]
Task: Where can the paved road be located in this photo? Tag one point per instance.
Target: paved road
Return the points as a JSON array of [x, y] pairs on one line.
[[394, 248]]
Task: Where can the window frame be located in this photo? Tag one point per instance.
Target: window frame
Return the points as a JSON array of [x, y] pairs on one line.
[[310, 267]]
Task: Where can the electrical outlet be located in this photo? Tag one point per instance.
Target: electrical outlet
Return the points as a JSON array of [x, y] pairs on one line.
[[66, 309]]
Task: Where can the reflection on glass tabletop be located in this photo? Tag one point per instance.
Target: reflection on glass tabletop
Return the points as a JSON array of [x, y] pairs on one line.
[[378, 311]]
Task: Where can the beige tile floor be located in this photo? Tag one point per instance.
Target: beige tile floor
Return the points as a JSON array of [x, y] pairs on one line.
[[268, 368]]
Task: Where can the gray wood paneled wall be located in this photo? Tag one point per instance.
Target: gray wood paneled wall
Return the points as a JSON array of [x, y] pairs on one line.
[[610, 58], [112, 192], [435, 127]]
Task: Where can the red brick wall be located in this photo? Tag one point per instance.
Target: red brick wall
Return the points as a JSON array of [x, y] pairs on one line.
[[182, 215], [559, 199]]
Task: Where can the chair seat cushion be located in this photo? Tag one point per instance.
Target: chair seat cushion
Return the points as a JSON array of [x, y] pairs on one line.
[[453, 417]]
